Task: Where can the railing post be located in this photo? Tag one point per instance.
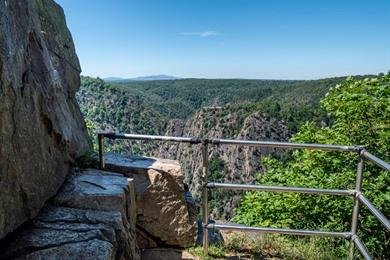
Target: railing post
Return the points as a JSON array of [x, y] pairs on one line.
[[205, 159], [356, 202], [101, 150]]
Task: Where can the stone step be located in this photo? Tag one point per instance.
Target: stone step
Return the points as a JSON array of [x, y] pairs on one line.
[[136, 202], [92, 217], [161, 253]]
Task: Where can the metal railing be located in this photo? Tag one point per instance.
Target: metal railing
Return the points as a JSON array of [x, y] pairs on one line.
[[356, 193]]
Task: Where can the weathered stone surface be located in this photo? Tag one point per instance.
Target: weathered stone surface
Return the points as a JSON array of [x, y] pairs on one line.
[[164, 215], [41, 127], [77, 227], [92, 249], [166, 254], [94, 189], [67, 232]]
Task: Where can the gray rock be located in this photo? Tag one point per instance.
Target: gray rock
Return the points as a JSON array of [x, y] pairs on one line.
[[92, 249], [144, 240], [166, 254], [163, 215], [71, 215], [94, 189], [40, 238], [41, 127], [91, 219]]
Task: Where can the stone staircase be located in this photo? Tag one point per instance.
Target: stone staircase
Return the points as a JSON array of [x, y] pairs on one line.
[[92, 217]]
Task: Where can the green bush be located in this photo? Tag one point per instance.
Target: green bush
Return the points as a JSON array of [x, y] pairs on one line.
[[361, 112]]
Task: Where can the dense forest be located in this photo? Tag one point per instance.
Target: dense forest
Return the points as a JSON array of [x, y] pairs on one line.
[[146, 107], [182, 98]]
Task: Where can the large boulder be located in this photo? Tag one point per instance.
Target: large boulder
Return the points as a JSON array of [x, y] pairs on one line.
[[165, 210], [41, 127]]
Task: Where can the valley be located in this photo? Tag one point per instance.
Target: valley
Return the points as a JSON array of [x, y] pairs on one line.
[[266, 167], [241, 109]]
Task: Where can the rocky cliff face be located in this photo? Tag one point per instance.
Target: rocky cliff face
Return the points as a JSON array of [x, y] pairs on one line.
[[41, 128], [231, 164]]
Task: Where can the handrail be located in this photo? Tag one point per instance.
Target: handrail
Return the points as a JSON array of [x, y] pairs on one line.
[[376, 160], [325, 147], [356, 193], [285, 231], [231, 186], [217, 141], [191, 140], [363, 250], [379, 215]]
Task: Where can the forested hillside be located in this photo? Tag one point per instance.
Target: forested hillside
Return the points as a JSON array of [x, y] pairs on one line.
[[244, 109], [146, 107], [182, 98], [108, 108], [227, 163]]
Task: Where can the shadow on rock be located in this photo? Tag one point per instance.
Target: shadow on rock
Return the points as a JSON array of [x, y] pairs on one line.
[[215, 237]]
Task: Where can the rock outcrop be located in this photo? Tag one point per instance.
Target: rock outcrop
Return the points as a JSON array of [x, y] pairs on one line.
[[92, 217], [41, 128], [165, 211], [232, 164]]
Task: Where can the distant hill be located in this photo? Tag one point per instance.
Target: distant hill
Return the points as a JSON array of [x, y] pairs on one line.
[[143, 78], [112, 104]]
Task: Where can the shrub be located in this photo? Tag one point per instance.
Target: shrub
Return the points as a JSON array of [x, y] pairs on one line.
[[361, 111]]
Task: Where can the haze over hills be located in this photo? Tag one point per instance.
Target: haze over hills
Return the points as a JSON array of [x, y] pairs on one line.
[[142, 78], [165, 77]]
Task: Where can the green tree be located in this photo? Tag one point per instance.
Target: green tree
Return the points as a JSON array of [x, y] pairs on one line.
[[361, 112]]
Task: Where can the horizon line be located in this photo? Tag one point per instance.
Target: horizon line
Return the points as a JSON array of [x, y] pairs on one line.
[[114, 78]]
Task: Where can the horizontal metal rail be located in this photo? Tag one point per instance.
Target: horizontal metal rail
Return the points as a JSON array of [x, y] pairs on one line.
[[216, 141], [326, 147], [376, 160], [231, 186], [191, 140], [298, 232], [379, 215], [361, 247]]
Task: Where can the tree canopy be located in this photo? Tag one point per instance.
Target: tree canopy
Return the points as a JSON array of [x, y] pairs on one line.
[[361, 112]]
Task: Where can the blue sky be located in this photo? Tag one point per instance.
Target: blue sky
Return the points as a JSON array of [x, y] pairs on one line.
[[289, 39]]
